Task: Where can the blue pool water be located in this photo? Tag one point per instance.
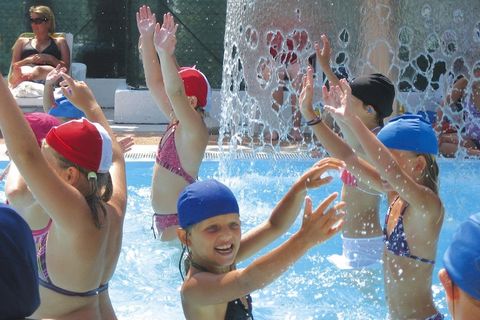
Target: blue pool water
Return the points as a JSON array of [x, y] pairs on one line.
[[146, 283]]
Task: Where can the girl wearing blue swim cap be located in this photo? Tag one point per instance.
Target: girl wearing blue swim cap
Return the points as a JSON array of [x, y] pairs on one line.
[[211, 232], [403, 155]]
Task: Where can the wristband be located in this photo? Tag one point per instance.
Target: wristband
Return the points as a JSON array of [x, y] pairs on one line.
[[314, 121]]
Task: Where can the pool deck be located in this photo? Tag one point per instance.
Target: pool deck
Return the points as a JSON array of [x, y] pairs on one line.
[[147, 137]]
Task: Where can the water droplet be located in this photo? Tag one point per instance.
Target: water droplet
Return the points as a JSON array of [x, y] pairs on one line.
[[405, 35], [458, 16], [426, 11]]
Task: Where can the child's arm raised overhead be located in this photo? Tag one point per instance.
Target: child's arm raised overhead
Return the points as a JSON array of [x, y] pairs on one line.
[[165, 42], [336, 146], [60, 199], [146, 22], [206, 288], [414, 193], [81, 96]]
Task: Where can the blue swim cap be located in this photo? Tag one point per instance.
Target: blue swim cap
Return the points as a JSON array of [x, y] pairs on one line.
[[409, 132], [204, 199], [19, 294], [65, 109], [462, 258]]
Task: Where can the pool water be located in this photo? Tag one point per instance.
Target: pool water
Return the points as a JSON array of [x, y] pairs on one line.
[[147, 281]]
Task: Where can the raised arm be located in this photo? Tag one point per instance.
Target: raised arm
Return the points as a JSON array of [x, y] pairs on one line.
[[414, 193], [16, 189], [207, 288], [82, 97], [59, 198], [336, 146], [50, 81], [286, 211], [323, 58], [146, 22], [165, 42]]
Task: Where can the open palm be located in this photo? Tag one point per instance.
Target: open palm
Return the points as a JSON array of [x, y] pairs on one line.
[[146, 21], [164, 37]]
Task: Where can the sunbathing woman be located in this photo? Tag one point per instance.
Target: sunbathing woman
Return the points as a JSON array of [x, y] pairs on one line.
[[33, 58]]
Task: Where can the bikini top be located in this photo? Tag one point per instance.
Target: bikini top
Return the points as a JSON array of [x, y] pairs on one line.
[[52, 49], [396, 242], [167, 155], [40, 237]]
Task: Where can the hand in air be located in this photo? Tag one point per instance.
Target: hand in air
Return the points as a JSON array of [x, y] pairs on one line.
[[146, 21], [339, 101], [323, 54], [164, 37], [322, 223], [313, 177], [54, 75], [77, 92], [126, 143], [306, 96]]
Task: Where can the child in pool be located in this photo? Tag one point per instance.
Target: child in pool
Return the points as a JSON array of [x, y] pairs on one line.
[[372, 99], [211, 232], [182, 96], [403, 154], [78, 177], [461, 276]]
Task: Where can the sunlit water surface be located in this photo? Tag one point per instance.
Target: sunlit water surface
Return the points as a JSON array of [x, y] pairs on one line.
[[146, 282]]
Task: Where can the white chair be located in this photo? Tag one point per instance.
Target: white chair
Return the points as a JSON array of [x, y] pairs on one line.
[[77, 70]]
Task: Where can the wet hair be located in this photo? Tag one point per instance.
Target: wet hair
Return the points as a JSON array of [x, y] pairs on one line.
[[47, 13], [101, 188], [185, 256], [431, 172]]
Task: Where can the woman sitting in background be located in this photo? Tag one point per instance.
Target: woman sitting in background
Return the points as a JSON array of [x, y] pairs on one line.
[[33, 58]]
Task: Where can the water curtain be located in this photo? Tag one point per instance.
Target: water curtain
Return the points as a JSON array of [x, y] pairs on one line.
[[422, 46]]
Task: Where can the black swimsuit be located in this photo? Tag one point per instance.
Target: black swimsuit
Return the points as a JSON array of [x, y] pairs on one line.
[[52, 50], [236, 309]]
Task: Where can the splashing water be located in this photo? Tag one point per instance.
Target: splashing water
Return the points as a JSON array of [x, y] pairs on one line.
[[268, 45]]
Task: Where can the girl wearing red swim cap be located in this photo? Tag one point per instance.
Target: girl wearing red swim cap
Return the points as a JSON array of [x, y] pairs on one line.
[[182, 96], [78, 178]]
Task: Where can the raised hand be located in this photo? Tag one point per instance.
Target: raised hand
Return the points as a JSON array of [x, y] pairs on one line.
[[342, 100], [146, 21], [313, 177], [164, 37], [306, 96], [324, 53], [54, 75], [322, 223], [126, 143], [77, 92]]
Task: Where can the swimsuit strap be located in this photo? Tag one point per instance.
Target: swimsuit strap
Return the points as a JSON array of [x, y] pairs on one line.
[[69, 293], [43, 277]]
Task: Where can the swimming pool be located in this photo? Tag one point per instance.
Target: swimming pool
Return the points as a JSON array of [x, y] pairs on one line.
[[146, 282]]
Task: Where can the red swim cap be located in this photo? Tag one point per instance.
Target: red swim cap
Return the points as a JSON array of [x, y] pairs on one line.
[[196, 84], [84, 143], [41, 123]]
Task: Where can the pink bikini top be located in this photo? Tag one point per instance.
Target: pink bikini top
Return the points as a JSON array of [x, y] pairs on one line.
[[167, 155]]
